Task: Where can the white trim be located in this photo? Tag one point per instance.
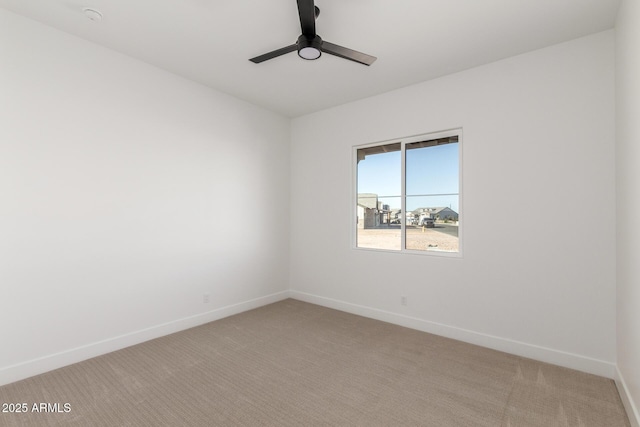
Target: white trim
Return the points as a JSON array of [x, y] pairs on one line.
[[461, 220], [353, 226], [403, 195], [625, 396], [9, 374], [543, 354]]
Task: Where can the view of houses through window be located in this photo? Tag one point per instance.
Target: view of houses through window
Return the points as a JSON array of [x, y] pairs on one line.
[[408, 194]]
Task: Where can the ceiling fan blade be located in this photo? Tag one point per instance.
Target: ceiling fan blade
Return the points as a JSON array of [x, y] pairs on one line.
[[307, 13], [347, 53], [274, 54]]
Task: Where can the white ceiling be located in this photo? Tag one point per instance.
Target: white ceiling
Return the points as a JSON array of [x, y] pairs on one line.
[[211, 41]]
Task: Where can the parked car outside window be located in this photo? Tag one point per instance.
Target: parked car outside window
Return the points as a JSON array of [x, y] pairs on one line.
[[428, 222]]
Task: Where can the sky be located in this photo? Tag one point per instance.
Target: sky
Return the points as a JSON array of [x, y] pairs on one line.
[[430, 171]]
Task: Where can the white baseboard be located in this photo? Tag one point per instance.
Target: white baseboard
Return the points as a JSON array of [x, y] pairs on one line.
[[625, 396], [556, 357], [50, 362]]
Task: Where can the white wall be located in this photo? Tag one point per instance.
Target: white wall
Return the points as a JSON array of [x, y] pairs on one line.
[[126, 193], [628, 199], [538, 141]]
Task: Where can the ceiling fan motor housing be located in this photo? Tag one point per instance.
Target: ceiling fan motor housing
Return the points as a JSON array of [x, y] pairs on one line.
[[309, 48]]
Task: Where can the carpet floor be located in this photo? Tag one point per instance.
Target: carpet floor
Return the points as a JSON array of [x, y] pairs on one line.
[[297, 364]]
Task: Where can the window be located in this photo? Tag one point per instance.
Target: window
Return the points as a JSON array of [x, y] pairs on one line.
[[408, 194]]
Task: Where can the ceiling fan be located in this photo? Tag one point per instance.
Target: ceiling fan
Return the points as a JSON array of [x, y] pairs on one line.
[[310, 45]]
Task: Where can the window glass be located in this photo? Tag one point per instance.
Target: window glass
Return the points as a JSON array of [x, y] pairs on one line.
[[379, 181], [432, 194]]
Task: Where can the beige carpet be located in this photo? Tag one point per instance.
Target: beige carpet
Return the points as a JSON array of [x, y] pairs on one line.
[[297, 364]]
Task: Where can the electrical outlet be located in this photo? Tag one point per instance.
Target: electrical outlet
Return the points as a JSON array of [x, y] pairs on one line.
[[205, 298], [403, 299]]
